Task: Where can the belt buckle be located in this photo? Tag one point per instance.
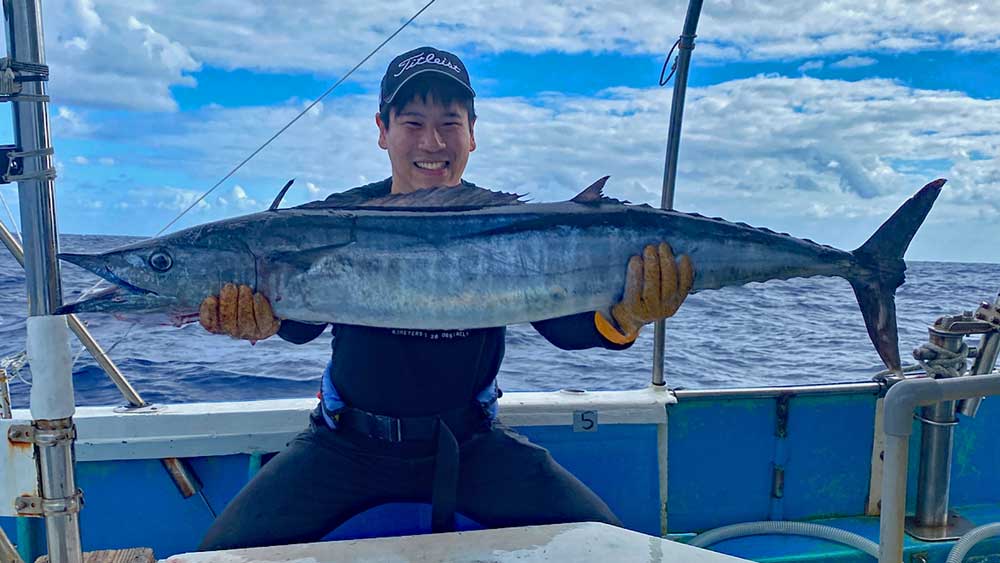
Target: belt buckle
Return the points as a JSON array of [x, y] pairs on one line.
[[394, 429]]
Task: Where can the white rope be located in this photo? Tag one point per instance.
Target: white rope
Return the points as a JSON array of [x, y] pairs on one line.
[[945, 363], [14, 364], [297, 117]]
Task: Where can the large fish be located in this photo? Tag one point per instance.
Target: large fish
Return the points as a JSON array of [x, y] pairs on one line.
[[463, 257]]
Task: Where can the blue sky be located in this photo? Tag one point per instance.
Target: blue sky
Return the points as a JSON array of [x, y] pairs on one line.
[[815, 120]]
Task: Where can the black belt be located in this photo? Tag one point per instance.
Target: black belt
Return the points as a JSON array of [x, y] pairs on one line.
[[442, 428]]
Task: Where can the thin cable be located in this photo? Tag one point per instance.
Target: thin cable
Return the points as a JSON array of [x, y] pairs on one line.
[[297, 117], [13, 223], [262, 147], [108, 351]]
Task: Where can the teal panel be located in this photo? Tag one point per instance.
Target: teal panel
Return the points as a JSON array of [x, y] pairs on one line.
[[788, 548], [619, 462], [829, 448], [624, 474], [136, 504], [720, 454], [976, 457], [9, 526]]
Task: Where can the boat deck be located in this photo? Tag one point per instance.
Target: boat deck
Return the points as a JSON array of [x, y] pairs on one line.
[[668, 466]]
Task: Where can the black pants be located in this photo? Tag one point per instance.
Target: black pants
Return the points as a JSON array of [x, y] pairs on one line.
[[324, 477]]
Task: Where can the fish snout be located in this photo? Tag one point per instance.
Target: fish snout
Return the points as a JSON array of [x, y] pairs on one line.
[[91, 262]]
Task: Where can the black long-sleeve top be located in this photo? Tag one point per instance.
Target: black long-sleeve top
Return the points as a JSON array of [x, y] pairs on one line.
[[404, 372]]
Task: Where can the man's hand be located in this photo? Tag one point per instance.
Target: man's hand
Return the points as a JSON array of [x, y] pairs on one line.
[[655, 286], [240, 313]]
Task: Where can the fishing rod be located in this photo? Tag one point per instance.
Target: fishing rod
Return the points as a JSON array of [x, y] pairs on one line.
[[685, 45]]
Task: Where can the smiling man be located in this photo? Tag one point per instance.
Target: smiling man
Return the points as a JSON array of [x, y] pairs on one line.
[[410, 415], [431, 139]]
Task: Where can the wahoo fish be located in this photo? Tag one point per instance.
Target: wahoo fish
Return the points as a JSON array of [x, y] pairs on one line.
[[464, 257]]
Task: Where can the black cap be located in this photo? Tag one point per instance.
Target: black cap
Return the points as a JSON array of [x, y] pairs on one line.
[[419, 61]]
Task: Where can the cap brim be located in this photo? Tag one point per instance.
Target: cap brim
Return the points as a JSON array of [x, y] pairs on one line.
[[392, 96]]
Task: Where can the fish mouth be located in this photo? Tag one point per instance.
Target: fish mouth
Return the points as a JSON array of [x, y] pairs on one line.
[[96, 264], [114, 297]]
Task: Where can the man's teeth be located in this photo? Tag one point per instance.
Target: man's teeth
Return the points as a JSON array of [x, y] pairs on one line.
[[431, 165]]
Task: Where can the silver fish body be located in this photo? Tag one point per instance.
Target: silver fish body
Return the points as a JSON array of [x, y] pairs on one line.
[[492, 266], [500, 266]]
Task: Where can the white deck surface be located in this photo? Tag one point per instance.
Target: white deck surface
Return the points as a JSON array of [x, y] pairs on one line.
[[579, 543]]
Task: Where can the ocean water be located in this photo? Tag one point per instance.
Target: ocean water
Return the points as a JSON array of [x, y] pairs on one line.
[[775, 333]]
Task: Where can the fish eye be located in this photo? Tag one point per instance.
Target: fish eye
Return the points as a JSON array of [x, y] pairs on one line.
[[160, 261]]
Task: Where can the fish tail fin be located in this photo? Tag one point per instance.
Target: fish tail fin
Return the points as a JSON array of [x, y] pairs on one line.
[[879, 269]]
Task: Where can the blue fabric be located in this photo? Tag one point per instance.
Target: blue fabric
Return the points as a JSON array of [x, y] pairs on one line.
[[332, 401]]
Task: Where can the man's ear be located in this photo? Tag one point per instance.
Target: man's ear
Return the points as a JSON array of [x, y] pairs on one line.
[[382, 131], [472, 135]]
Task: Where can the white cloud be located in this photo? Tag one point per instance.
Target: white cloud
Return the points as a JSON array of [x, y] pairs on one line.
[[854, 62], [106, 161], [166, 199], [106, 55], [67, 123], [316, 110], [242, 200], [126, 53], [811, 65], [81, 160], [797, 154], [903, 43]]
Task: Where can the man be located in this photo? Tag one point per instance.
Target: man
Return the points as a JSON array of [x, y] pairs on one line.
[[409, 415]]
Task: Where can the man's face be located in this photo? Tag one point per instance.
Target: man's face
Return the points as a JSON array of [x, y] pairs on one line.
[[428, 144]]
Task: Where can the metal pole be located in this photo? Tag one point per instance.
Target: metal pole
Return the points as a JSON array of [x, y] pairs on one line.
[[989, 348], [986, 359], [934, 474], [5, 406], [890, 543], [685, 47], [31, 133], [81, 332], [900, 401], [23, 19]]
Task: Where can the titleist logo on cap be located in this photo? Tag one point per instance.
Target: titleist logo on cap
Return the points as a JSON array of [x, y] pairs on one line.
[[423, 59]]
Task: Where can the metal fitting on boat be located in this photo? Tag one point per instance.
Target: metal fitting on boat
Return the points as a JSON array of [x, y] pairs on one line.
[[42, 436], [5, 404], [27, 505], [986, 357]]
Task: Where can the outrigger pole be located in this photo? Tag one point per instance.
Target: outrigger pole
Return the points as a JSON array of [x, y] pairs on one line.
[[30, 164], [685, 45]]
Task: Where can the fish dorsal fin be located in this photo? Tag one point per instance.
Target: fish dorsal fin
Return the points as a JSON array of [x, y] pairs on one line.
[[594, 194], [466, 197], [281, 194]]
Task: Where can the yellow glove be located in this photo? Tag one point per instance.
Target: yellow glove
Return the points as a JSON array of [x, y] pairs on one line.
[[240, 313], [655, 286]]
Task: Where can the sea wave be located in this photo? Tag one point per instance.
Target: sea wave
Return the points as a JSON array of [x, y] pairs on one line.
[[775, 333]]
